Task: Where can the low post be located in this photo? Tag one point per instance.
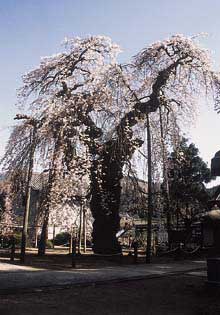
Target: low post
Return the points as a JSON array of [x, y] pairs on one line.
[[73, 254], [12, 255], [213, 271], [135, 245]]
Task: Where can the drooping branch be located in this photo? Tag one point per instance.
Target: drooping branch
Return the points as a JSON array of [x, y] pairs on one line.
[[144, 108]]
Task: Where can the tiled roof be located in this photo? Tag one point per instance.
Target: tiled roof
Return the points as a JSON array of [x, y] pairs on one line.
[[38, 181]]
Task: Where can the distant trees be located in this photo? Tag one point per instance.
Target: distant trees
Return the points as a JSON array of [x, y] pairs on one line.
[[92, 113], [187, 175]]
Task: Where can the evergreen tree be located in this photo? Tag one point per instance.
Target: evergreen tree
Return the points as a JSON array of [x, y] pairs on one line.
[[187, 175]]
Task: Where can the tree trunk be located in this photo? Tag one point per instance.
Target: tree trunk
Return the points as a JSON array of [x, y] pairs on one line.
[[106, 173], [43, 236], [106, 170]]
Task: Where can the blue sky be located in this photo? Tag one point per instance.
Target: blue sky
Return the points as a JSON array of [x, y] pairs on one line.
[[31, 29]]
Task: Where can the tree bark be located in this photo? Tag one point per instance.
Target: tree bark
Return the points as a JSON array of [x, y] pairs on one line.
[[105, 202], [43, 237]]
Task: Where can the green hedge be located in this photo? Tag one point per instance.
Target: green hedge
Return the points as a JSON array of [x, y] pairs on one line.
[[62, 238]]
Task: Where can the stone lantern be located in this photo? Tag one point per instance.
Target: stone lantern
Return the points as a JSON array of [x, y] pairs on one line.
[[212, 231]]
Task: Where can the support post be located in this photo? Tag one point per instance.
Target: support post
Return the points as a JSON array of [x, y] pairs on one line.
[[80, 229], [54, 234], [135, 245], [84, 228], [36, 237], [165, 178], [71, 241], [28, 195], [12, 256], [150, 200], [73, 254]]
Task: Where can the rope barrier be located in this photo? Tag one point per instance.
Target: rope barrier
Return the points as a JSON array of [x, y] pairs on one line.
[[192, 252], [181, 250], [170, 251]]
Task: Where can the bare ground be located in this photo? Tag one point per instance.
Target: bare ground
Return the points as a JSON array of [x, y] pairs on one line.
[[182, 294]]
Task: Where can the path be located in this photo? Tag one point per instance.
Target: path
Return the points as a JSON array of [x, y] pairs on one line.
[[16, 277]]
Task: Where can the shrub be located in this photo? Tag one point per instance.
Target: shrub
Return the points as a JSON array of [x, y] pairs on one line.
[[17, 237], [6, 240], [62, 238], [49, 244]]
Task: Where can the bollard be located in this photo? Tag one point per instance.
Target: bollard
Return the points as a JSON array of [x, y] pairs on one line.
[[73, 254], [12, 256], [178, 252], [213, 271], [135, 245]]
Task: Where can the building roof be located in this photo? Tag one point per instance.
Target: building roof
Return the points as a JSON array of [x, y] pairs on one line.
[[213, 215], [38, 181], [214, 192]]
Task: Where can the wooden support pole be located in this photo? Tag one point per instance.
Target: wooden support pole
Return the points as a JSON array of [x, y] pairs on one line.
[[12, 255], [80, 229], [165, 177], [71, 240], [150, 199], [73, 254], [28, 195], [135, 245], [84, 228], [54, 235]]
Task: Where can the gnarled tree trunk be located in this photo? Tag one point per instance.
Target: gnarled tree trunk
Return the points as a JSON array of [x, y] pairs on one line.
[[106, 170], [106, 173]]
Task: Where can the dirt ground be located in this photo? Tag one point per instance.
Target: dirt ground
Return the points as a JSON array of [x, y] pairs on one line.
[[59, 259], [182, 294]]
